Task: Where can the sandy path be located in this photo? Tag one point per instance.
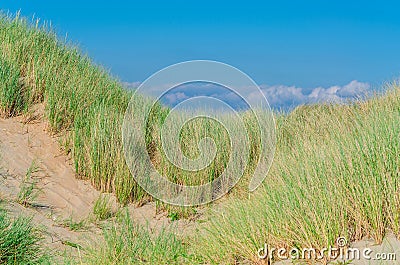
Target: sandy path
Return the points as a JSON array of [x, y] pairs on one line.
[[67, 197], [21, 145]]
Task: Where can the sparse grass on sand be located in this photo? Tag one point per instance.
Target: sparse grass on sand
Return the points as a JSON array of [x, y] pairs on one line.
[[129, 243], [102, 209], [336, 170], [28, 190]]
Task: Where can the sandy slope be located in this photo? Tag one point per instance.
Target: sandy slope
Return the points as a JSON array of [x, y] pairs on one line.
[[21, 145], [62, 195]]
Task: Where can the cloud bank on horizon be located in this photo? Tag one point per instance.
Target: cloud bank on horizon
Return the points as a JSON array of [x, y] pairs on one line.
[[280, 97], [288, 97]]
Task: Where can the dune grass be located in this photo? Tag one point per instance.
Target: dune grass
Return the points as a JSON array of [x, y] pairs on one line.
[[20, 242], [336, 173], [166, 152], [102, 208]]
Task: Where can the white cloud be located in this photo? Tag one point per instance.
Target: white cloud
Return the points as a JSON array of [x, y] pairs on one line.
[[290, 96], [278, 96], [176, 97], [354, 89]]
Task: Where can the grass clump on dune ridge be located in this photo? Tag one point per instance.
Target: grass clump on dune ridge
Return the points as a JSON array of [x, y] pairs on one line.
[[336, 173], [11, 101]]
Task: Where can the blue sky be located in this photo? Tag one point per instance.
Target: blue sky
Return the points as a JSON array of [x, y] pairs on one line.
[[302, 44]]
